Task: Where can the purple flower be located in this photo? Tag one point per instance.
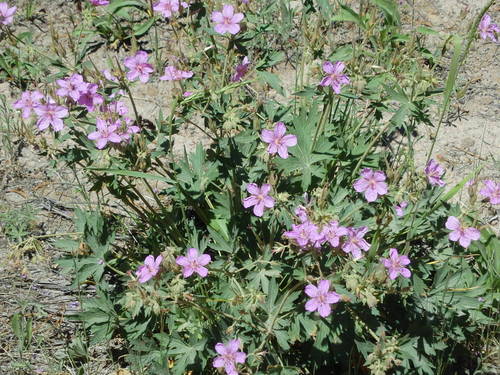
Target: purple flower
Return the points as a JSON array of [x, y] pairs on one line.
[[335, 78], [174, 74], [301, 213], [126, 128], [227, 21], [459, 233], [105, 133], [305, 234], [99, 2], [372, 183], [400, 208], [355, 242], [321, 298], [187, 94], [6, 14], [229, 356], [168, 7], [29, 100], [72, 86], [434, 172], [241, 70], [50, 114], [488, 29], [89, 97], [115, 107], [139, 67], [278, 141], [332, 233], [259, 198], [395, 264], [149, 269], [193, 262], [491, 190]]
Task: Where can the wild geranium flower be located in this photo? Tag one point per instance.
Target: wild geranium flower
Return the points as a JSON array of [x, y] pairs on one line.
[[227, 21], [89, 97], [193, 262], [50, 114], [229, 356], [400, 208], [305, 234], [168, 7], [321, 298], [434, 171], [241, 70], [72, 86], [332, 233], [174, 74], [488, 29], [259, 198], [278, 141], [335, 78], [372, 183], [29, 100], [99, 2], [464, 235], [491, 190], [117, 107], [395, 264], [6, 14], [301, 213], [355, 242], [149, 269], [126, 128], [139, 67], [105, 133]]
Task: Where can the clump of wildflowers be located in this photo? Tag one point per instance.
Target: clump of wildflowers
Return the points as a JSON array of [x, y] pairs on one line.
[[174, 74], [193, 262], [138, 67], [259, 198], [464, 235], [229, 356], [227, 21], [6, 13], [487, 29], [149, 269], [395, 264], [355, 243], [321, 298], [434, 171], [491, 190], [278, 141], [371, 183], [335, 78]]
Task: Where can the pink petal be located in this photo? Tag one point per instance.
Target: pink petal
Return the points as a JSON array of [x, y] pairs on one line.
[[192, 253], [233, 28], [227, 10], [311, 290], [455, 235], [323, 286], [218, 361], [283, 151], [238, 17], [312, 305], [202, 271], [265, 189], [279, 130], [267, 136], [332, 297], [472, 233], [405, 272], [233, 346], [289, 140], [371, 195], [250, 201], [253, 189], [220, 348], [204, 259], [269, 202], [187, 271], [258, 209], [240, 357], [328, 67], [324, 310], [452, 223], [361, 185]]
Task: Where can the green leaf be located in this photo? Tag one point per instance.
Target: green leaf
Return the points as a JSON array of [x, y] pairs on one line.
[[272, 80], [142, 28], [390, 9], [349, 15]]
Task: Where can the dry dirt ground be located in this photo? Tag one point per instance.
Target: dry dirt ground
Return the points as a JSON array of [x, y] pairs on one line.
[[45, 198]]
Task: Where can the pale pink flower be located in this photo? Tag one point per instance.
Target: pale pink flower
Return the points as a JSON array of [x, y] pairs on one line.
[[332, 233], [6, 14], [29, 100], [400, 208], [395, 264], [335, 78], [305, 234], [241, 70], [488, 29], [301, 213], [193, 262], [149, 269], [464, 235], [50, 114], [174, 74], [434, 172], [168, 7], [229, 356], [227, 21], [187, 94], [105, 133], [372, 183], [259, 198], [72, 86], [321, 298], [99, 2], [139, 67], [355, 242], [491, 190], [278, 141], [89, 97]]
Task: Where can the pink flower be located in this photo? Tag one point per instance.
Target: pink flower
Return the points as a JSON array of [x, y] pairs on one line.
[[89, 97], [187, 94], [488, 29], [259, 198], [99, 2], [301, 213], [321, 298], [332, 233], [278, 141], [459, 233], [434, 172], [400, 208], [193, 263], [149, 269], [372, 183], [105, 133], [355, 242], [305, 234], [335, 78], [50, 114], [139, 67], [227, 21], [126, 128], [395, 264], [71, 86], [174, 74], [491, 190], [168, 7], [241, 70], [29, 100], [229, 356], [117, 107], [6, 14]]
